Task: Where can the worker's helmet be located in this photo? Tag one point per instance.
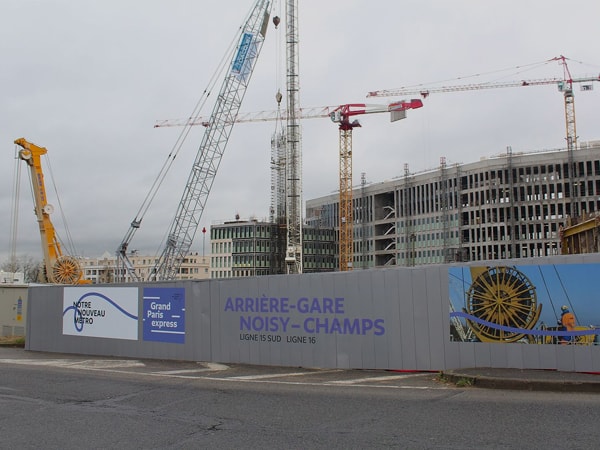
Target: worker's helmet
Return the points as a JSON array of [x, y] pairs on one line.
[[564, 308]]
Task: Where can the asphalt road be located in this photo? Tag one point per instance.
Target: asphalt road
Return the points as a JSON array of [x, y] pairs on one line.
[[68, 401]]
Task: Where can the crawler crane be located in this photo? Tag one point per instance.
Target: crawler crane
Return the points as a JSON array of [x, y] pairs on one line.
[[58, 267], [208, 158]]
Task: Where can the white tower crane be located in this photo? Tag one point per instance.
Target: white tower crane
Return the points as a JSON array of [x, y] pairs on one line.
[[564, 84]]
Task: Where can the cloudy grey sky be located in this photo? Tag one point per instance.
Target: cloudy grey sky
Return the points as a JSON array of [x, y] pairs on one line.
[[88, 79]]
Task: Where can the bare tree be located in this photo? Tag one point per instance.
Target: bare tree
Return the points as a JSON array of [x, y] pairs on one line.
[[31, 268]]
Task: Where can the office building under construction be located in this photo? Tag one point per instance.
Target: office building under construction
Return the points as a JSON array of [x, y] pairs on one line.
[[510, 206]]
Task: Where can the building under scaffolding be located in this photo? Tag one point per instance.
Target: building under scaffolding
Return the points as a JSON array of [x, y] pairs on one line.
[[581, 235], [512, 205]]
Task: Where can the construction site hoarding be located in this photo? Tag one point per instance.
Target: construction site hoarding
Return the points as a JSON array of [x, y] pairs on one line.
[[397, 318]]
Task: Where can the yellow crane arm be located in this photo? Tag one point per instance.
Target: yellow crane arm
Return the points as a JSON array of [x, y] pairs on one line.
[[62, 269]]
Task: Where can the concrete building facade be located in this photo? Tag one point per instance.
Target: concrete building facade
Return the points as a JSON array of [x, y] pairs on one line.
[[102, 270], [508, 206], [246, 248]]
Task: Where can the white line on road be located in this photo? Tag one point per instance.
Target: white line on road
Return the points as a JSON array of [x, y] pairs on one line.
[[279, 375], [328, 383], [387, 378], [122, 366], [209, 367], [77, 364]]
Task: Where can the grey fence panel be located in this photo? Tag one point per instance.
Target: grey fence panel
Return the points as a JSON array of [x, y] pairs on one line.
[[325, 355], [438, 311], [466, 355], [498, 355], [384, 297], [407, 323], [395, 318], [514, 357], [451, 354], [565, 358], [345, 345], [421, 318], [390, 351], [582, 356], [198, 324], [483, 355], [355, 350]]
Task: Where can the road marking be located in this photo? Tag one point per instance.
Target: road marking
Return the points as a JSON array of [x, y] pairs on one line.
[[210, 367], [279, 375], [77, 364], [121, 366], [387, 378], [327, 383]]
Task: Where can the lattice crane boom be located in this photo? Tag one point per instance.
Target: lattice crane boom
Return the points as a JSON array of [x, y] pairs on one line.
[[425, 92], [204, 168], [256, 116]]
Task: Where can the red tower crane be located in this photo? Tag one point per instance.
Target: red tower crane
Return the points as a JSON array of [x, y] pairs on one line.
[[564, 84], [343, 115], [338, 114]]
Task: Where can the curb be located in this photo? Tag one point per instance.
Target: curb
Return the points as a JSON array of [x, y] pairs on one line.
[[522, 384], [13, 344]]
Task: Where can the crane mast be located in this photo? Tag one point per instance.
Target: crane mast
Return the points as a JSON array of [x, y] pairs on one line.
[[59, 268], [293, 256], [208, 158], [342, 115]]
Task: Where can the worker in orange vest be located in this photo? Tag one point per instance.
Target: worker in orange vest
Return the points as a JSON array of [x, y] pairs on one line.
[[567, 320]]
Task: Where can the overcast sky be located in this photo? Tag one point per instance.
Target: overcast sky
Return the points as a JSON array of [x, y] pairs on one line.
[[88, 79]]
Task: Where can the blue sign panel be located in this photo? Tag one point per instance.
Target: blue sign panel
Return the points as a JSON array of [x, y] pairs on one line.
[[164, 315], [240, 59]]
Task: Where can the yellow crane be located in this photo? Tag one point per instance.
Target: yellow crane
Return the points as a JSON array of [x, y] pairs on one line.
[[58, 267]]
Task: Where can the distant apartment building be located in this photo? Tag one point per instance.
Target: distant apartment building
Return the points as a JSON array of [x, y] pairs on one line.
[[244, 248], [102, 270], [12, 277], [508, 206]]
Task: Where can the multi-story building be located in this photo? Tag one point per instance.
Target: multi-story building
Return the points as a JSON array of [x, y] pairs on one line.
[[102, 270], [508, 206], [244, 248]]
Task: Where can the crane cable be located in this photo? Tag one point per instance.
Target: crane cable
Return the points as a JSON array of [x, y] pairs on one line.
[[563, 289], [70, 244], [520, 69], [195, 114], [548, 293], [14, 223]]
